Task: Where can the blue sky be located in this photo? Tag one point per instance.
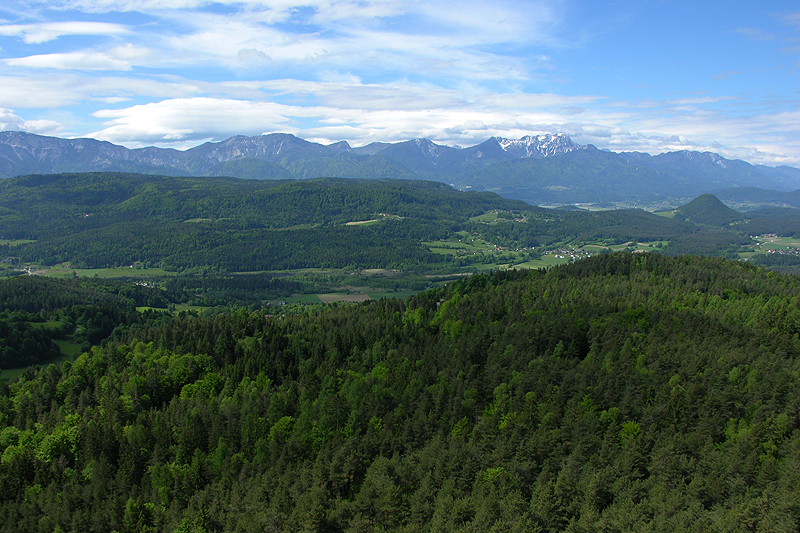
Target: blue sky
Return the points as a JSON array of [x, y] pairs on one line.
[[650, 76]]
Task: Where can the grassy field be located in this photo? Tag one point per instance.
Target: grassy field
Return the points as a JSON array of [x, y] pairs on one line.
[[472, 245], [51, 325], [765, 245], [343, 297], [355, 294], [776, 243], [363, 222], [69, 350], [493, 217], [467, 245], [10, 374], [379, 217], [15, 242], [548, 260], [64, 271], [651, 246]]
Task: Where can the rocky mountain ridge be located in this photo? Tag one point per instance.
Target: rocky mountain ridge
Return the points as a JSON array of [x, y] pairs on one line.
[[539, 169]]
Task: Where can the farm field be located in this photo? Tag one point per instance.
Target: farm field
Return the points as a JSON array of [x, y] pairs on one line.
[[547, 260], [629, 246], [466, 245], [65, 271], [15, 242], [355, 295], [777, 243], [497, 216]]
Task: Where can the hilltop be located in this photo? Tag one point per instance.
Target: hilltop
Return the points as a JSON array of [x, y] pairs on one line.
[[708, 209]]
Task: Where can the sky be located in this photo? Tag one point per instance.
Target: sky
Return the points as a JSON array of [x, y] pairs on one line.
[[632, 75]]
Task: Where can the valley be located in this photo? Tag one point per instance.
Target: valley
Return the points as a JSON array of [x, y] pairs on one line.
[[210, 245], [362, 334], [388, 238], [368, 266]]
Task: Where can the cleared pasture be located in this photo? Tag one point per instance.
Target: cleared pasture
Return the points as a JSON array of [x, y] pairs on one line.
[[776, 243], [65, 271], [15, 242], [69, 350]]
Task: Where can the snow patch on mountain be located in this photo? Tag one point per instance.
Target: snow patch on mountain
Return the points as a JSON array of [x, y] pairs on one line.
[[538, 146], [427, 147]]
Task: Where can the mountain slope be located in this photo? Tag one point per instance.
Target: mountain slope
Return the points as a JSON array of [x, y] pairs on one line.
[[588, 175], [541, 169], [752, 196]]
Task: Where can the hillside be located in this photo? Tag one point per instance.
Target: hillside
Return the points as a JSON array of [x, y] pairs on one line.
[[541, 170], [709, 210], [622, 392], [584, 176], [104, 219], [227, 225], [752, 197]]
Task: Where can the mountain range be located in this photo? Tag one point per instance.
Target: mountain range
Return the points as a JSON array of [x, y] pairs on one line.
[[540, 169]]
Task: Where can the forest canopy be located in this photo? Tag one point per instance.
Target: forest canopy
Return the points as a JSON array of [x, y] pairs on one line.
[[633, 392]]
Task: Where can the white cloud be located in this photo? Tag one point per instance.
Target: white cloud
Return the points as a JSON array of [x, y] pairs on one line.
[[48, 31], [427, 38], [190, 119], [11, 122], [113, 99], [367, 70], [36, 92], [72, 61], [64, 89], [698, 100], [253, 56], [202, 118], [344, 112], [476, 20], [104, 6]]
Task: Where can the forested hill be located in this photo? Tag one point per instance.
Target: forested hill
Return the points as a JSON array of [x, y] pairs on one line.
[[708, 209], [269, 203], [623, 392], [107, 219]]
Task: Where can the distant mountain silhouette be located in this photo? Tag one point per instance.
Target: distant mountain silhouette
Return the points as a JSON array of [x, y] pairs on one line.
[[541, 169]]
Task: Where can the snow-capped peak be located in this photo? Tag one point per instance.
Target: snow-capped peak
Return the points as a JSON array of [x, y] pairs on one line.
[[537, 146]]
